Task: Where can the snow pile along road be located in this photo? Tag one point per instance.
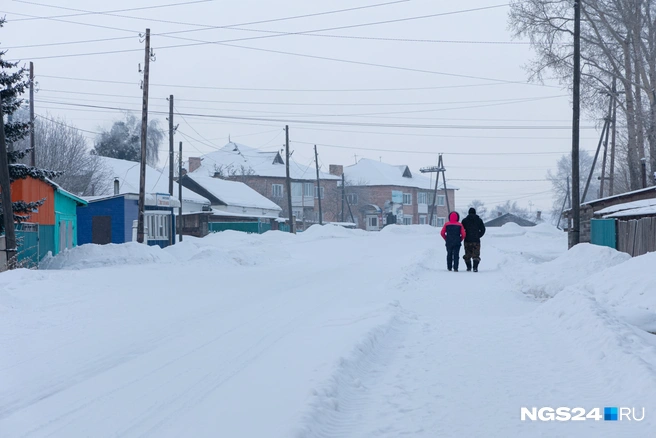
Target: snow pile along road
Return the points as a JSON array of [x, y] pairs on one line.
[[328, 333]]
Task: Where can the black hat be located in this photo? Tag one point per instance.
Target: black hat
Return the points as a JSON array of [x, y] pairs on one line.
[[472, 210]]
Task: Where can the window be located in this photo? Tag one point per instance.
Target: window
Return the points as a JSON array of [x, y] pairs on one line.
[[276, 190], [422, 219], [316, 192], [297, 189], [440, 200], [407, 220], [352, 198], [441, 221], [372, 221], [308, 189], [407, 199], [422, 198]]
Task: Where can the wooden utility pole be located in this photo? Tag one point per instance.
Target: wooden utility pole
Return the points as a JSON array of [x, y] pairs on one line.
[[180, 191], [171, 131], [575, 236], [611, 185], [288, 183], [603, 165], [144, 139], [32, 141], [5, 186], [594, 161], [316, 160], [439, 169], [343, 195], [643, 169], [560, 216]]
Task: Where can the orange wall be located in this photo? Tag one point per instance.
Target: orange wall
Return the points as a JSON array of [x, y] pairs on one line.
[[31, 190]]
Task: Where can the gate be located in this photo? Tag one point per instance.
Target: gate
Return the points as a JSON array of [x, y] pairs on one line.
[[27, 242], [602, 232]]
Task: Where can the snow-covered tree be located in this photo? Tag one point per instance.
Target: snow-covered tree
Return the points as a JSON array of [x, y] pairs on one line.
[[123, 140], [13, 84]]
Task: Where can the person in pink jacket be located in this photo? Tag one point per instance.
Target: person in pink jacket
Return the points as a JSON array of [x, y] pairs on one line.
[[453, 234]]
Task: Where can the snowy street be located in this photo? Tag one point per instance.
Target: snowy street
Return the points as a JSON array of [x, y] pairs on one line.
[[329, 333]]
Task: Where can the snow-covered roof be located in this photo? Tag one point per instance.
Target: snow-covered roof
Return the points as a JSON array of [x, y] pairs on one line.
[[627, 206], [594, 201], [127, 173], [643, 207], [374, 173], [231, 193], [66, 192], [225, 213], [235, 157]]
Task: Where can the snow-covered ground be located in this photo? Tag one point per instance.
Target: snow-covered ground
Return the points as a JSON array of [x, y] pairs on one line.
[[329, 333]]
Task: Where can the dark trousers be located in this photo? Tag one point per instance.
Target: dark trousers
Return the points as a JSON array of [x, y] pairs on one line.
[[452, 256]]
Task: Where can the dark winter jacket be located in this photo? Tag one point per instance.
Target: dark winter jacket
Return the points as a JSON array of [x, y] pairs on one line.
[[453, 232], [474, 227]]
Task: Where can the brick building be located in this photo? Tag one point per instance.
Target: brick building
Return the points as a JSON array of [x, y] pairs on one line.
[[377, 191], [265, 172]]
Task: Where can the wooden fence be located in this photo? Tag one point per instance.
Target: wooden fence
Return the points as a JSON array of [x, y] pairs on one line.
[[637, 237]]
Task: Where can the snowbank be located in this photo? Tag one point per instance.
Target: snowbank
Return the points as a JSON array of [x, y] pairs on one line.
[[97, 256], [547, 279], [329, 231], [410, 230]]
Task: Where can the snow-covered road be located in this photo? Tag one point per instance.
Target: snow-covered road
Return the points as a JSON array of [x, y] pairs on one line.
[[330, 333]]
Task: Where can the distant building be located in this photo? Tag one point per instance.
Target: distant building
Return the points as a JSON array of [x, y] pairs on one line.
[[378, 193], [509, 218], [265, 173]]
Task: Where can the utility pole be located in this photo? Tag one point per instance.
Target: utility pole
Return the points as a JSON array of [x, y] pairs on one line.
[[171, 131], [316, 161], [288, 184], [180, 191], [603, 165], [343, 195], [643, 168], [439, 169], [32, 141], [575, 236], [594, 161], [612, 141], [144, 139], [5, 186], [564, 203]]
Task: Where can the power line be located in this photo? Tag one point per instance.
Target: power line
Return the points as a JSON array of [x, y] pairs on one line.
[[499, 180], [104, 12], [339, 123], [286, 90]]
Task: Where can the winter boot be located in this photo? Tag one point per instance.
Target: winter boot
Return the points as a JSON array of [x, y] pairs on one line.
[[476, 262], [469, 264]]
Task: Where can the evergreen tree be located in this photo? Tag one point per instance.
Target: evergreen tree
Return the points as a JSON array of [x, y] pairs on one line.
[[13, 83]]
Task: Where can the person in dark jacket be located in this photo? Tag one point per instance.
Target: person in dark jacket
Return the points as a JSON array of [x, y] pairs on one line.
[[453, 234], [475, 229]]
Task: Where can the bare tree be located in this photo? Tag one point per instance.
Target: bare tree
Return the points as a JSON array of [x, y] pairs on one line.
[[618, 43], [563, 171], [63, 148]]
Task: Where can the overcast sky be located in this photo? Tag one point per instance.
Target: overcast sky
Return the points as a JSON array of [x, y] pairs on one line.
[[441, 84]]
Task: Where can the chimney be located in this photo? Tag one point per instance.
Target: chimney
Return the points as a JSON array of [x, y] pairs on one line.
[[539, 215], [116, 185], [499, 214], [194, 163], [336, 169]]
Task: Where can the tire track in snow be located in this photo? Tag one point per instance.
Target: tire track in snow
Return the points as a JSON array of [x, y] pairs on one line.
[[337, 406]]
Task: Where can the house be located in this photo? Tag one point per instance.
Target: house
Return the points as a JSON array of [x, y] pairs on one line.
[[590, 209], [111, 215], [379, 193], [265, 172], [50, 229], [234, 205], [629, 227], [503, 219], [113, 219]]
